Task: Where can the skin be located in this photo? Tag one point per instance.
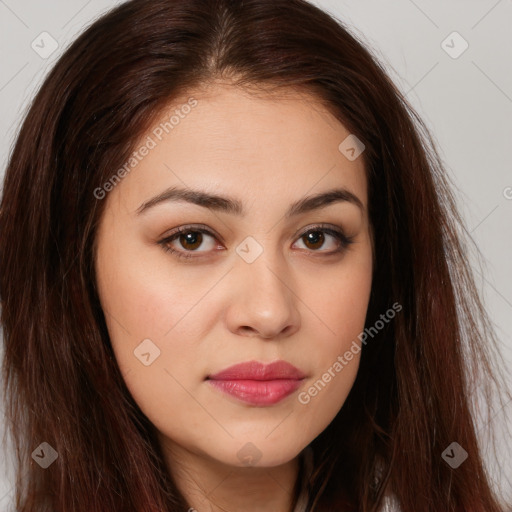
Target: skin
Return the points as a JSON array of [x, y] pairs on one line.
[[299, 301]]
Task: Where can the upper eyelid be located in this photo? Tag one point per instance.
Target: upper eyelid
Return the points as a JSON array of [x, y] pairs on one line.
[[205, 229], [197, 227]]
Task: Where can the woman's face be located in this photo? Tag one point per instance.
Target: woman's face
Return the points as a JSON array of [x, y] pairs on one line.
[[260, 188]]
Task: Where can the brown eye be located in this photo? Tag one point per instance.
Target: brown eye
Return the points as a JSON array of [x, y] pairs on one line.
[[188, 242], [191, 240], [314, 239], [324, 240]]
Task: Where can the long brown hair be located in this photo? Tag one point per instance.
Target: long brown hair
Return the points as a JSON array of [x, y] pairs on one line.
[[412, 395]]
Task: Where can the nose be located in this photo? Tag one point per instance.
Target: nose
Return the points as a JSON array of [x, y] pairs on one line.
[[263, 303]]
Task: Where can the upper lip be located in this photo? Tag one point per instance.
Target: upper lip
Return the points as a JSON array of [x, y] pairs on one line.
[[254, 370]]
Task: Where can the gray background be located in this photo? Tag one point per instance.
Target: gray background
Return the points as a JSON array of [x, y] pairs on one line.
[[465, 101]]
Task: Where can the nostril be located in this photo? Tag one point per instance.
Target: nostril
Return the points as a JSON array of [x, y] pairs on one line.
[[245, 329]]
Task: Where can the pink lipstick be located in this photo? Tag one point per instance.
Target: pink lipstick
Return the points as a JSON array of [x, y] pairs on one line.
[[258, 384]]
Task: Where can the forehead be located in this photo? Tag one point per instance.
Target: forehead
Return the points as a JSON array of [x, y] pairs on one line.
[[222, 137]]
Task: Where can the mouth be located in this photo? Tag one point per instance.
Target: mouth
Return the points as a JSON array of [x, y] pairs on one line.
[[258, 384]]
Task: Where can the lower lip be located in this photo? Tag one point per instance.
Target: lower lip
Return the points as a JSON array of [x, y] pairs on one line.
[[258, 392]]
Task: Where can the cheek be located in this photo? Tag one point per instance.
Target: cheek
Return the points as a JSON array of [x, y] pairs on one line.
[[150, 322], [142, 295], [156, 321], [340, 302], [341, 308]]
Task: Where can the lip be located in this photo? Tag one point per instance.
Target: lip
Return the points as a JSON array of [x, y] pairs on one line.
[[254, 370], [257, 383]]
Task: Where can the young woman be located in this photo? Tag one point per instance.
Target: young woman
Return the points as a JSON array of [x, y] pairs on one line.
[[233, 278]]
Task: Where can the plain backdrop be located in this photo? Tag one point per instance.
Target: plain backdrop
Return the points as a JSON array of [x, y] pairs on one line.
[[452, 58]]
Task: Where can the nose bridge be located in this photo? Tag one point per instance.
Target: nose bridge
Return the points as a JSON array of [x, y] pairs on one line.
[[264, 299]]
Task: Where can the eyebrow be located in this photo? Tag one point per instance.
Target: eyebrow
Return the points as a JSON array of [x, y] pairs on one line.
[[235, 207]]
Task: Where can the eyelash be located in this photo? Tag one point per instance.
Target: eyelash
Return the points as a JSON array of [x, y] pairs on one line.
[[344, 240]]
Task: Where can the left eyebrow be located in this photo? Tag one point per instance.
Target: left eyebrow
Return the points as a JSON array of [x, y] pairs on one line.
[[234, 206]]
